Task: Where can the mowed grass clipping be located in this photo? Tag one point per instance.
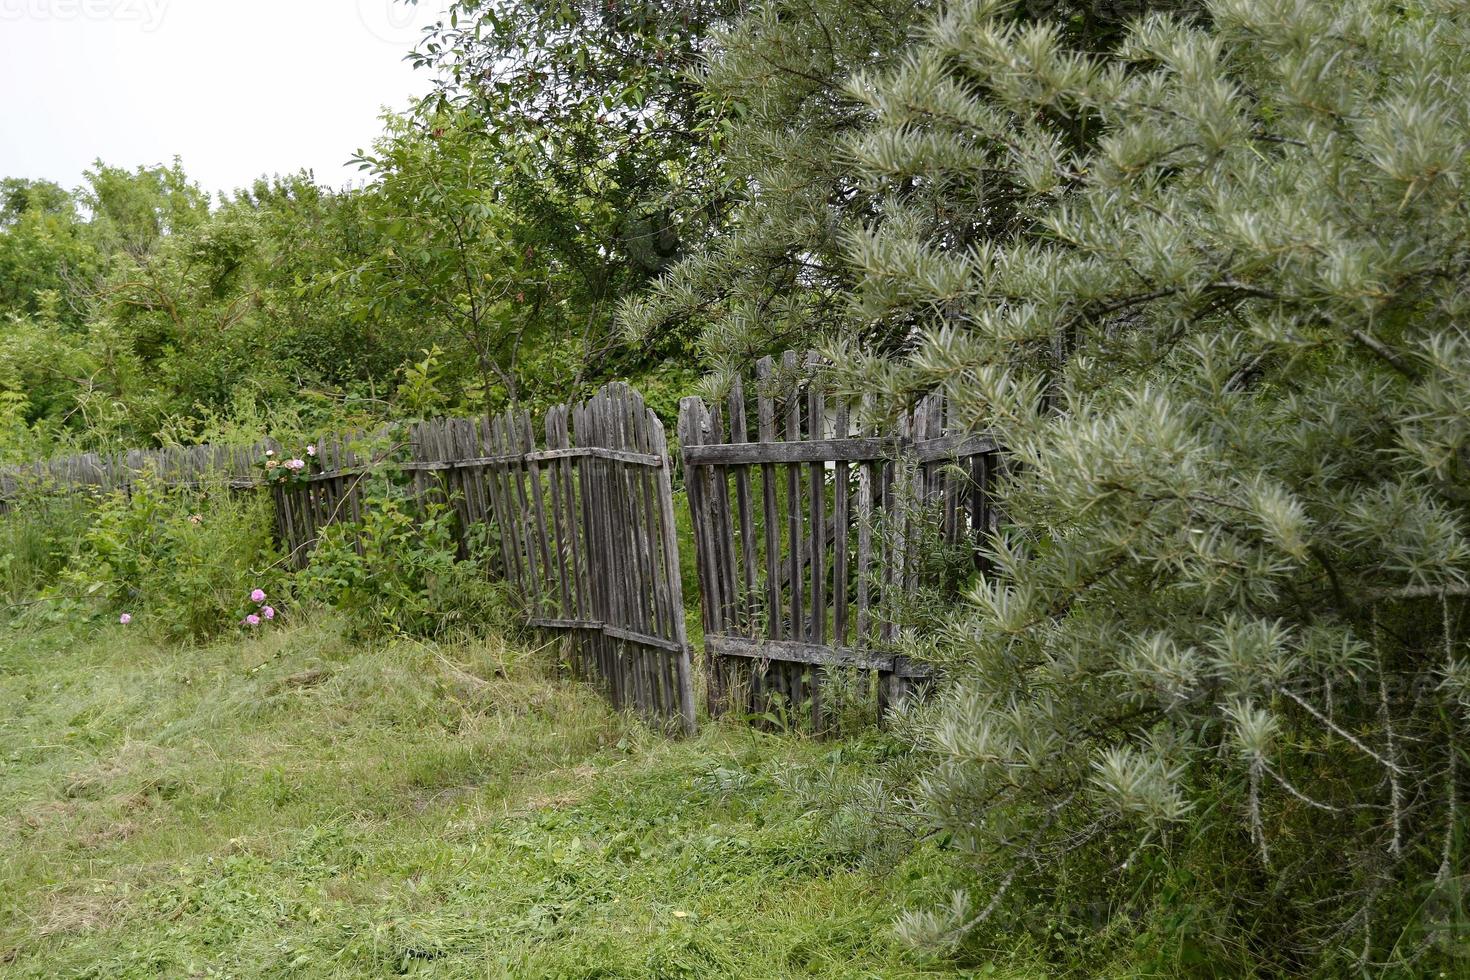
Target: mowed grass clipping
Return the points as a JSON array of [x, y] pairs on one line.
[[295, 805]]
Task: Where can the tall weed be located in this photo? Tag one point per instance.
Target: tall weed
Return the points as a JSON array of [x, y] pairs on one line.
[[179, 561], [400, 571], [38, 533]]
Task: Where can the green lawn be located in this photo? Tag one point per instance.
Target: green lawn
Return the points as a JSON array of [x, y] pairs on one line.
[[295, 805]]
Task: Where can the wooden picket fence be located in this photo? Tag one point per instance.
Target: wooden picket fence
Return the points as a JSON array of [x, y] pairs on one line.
[[229, 466], [587, 539], [814, 532], [586, 531]]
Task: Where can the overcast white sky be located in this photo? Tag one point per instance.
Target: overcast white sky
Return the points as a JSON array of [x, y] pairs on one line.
[[237, 88]]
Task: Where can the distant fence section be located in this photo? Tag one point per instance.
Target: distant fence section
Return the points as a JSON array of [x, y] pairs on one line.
[[815, 527], [193, 465]]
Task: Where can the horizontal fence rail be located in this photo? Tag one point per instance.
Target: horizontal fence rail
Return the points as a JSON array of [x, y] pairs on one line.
[[814, 531]]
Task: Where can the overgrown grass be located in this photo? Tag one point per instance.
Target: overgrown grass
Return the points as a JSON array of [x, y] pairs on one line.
[[37, 536], [293, 805]]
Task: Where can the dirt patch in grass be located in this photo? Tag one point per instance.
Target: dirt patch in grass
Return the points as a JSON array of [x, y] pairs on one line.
[[109, 834]]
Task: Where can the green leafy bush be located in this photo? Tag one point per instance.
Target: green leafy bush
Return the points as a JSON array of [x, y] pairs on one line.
[[399, 571], [180, 562]]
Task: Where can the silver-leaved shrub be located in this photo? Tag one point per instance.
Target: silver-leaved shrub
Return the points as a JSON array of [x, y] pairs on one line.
[[1212, 290]]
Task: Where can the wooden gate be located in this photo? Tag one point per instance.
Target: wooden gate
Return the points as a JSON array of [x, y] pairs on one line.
[[588, 541], [584, 526], [813, 536]]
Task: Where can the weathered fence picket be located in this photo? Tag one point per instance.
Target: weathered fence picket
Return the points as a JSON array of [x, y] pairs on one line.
[[814, 578]]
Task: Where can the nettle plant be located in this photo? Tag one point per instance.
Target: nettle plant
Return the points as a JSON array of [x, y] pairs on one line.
[[1216, 690], [406, 567], [171, 559]]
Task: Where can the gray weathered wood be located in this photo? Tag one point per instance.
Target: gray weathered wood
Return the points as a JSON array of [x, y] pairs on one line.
[[766, 420], [739, 432], [794, 536], [812, 654], [851, 450], [835, 596], [841, 497]]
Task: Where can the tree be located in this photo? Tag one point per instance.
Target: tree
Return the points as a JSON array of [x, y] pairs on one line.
[[774, 271], [138, 313], [596, 129], [19, 197], [1218, 680], [44, 249], [135, 209], [777, 272], [447, 247]]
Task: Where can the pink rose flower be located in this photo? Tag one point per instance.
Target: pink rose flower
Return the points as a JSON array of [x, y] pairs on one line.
[[125, 618], [268, 612], [311, 450], [252, 620], [258, 596]]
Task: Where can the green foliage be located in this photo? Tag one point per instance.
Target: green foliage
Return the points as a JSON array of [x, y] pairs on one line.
[[777, 272], [37, 535], [309, 806], [44, 247], [421, 390], [552, 173], [594, 119], [135, 209], [773, 275], [19, 197], [598, 120], [246, 308], [158, 308], [1214, 681], [179, 561], [451, 251], [129, 311], [399, 572]]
